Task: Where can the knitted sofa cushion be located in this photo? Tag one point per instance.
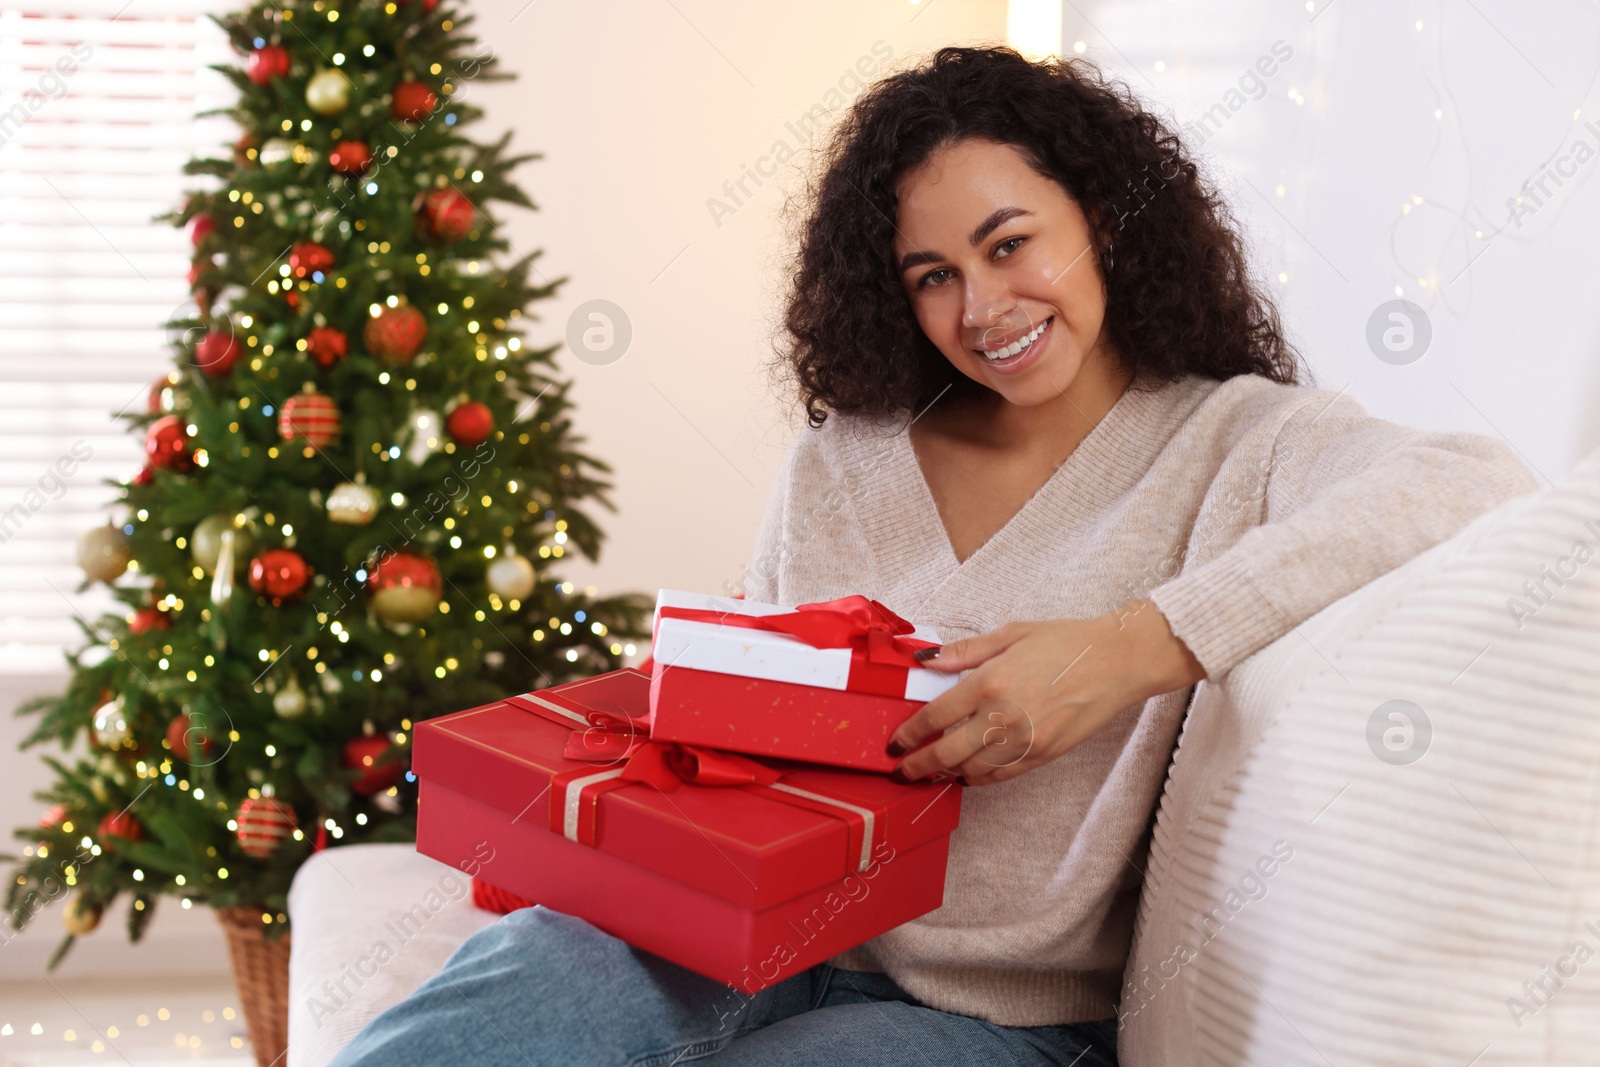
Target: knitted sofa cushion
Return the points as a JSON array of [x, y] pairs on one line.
[[1378, 841]]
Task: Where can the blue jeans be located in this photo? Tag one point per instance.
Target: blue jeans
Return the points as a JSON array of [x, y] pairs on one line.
[[543, 989]]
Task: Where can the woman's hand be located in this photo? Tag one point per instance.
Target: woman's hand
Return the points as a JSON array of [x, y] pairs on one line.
[[1038, 689]]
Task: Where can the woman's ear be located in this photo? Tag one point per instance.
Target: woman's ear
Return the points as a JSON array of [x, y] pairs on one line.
[[1101, 231]]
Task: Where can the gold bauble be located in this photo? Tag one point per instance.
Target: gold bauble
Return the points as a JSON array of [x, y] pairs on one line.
[[353, 503], [328, 91], [290, 701], [79, 916], [103, 553], [405, 603], [511, 577], [276, 150], [110, 724], [206, 542]]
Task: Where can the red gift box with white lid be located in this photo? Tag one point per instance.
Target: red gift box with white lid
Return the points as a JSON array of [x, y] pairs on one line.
[[742, 870], [826, 682]]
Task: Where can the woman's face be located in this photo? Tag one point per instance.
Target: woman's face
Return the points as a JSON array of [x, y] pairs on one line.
[[990, 252]]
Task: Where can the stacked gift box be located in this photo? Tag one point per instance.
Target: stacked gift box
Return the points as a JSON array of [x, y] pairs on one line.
[[729, 810]]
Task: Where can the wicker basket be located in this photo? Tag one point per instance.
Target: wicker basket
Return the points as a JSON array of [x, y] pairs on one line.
[[261, 973]]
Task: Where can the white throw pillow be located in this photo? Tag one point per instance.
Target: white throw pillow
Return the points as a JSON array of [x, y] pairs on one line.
[[1336, 878]]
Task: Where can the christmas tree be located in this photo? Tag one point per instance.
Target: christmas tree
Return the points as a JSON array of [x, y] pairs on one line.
[[359, 478]]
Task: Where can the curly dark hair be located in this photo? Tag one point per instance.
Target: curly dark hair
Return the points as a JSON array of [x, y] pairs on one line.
[[1179, 294]]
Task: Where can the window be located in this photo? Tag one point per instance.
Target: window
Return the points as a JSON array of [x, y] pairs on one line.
[[97, 117]]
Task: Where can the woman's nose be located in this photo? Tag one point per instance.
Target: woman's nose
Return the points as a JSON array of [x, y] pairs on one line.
[[990, 316]]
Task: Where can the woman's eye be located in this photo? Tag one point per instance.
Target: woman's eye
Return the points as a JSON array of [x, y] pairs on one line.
[[1007, 242], [925, 280]]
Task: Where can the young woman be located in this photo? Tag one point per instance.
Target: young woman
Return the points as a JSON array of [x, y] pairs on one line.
[[1053, 416]]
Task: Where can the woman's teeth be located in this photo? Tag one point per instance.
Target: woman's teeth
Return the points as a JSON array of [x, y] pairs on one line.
[[1019, 344]]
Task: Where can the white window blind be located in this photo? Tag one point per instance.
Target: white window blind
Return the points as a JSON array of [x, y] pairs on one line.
[[97, 106]]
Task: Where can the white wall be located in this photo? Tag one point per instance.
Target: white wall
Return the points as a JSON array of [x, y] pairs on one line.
[[1515, 336]]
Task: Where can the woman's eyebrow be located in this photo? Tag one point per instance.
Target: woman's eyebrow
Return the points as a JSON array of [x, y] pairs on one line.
[[985, 228]]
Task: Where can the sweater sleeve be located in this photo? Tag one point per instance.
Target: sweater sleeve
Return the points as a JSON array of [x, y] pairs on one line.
[[1347, 498]]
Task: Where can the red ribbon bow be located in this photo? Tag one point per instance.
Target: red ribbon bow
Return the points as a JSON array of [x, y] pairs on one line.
[[623, 743], [880, 653]]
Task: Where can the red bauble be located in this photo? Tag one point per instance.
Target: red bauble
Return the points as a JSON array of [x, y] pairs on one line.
[[241, 150], [307, 258], [427, 5], [470, 423], [395, 334], [119, 824], [216, 353], [351, 158], [405, 587], [144, 476], [445, 214], [200, 227], [364, 754], [263, 824], [267, 62], [327, 345], [309, 417], [412, 101], [291, 298], [146, 619], [278, 573], [179, 733], [166, 443]]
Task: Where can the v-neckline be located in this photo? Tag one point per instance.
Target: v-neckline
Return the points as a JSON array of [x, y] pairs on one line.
[[1099, 446]]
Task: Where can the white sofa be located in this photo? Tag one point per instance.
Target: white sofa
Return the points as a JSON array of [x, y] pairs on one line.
[[1336, 877]]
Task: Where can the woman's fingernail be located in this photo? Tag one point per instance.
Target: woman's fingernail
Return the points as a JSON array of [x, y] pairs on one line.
[[899, 777], [923, 655], [896, 749]]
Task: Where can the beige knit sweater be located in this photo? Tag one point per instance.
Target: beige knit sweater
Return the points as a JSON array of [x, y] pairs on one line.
[[1240, 507]]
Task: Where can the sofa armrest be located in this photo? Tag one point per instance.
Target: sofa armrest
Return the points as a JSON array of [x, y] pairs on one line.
[[370, 923]]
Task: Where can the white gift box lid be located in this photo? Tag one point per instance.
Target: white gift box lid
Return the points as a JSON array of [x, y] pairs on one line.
[[776, 657]]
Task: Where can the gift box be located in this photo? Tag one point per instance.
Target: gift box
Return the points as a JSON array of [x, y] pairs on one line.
[[743, 870], [825, 682]]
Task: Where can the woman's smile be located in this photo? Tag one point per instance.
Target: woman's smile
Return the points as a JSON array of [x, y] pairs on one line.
[[1010, 357]]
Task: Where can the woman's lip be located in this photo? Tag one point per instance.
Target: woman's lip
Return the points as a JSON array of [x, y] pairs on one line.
[[980, 349], [1024, 358]]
